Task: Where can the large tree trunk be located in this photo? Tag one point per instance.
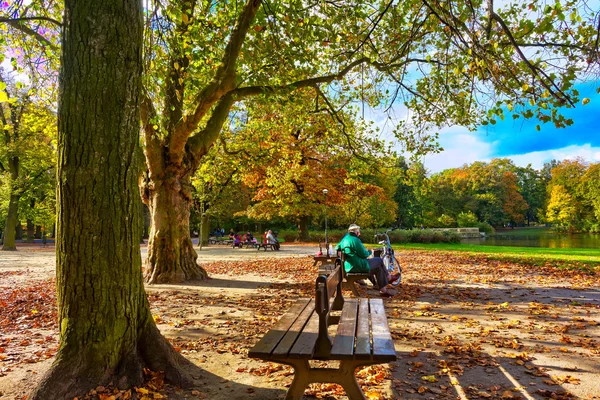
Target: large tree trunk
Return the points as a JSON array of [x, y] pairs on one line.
[[171, 255], [303, 235], [107, 333], [10, 228]]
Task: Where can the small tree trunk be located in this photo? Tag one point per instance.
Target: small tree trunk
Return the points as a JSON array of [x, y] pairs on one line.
[[10, 228], [303, 235], [204, 229], [171, 254], [30, 231], [38, 232], [107, 333]]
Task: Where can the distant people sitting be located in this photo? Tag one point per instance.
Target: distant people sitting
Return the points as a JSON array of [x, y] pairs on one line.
[[248, 237], [272, 240], [237, 240]]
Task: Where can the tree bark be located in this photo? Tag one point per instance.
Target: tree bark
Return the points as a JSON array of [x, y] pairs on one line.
[[171, 255], [107, 333], [303, 223], [204, 228], [30, 231], [10, 228]]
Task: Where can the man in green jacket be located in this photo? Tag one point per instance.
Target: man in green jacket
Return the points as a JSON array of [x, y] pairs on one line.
[[357, 260]]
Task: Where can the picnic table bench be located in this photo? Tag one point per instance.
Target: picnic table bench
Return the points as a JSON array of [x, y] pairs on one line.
[[363, 338]]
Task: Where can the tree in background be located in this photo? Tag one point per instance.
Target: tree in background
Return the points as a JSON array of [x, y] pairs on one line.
[[27, 159], [568, 175], [573, 196], [532, 187], [513, 203], [561, 210], [298, 151], [591, 187]]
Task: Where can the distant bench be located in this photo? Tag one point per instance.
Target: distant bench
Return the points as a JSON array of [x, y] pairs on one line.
[[363, 338], [265, 246]]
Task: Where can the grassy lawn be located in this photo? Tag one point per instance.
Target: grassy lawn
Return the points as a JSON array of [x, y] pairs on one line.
[[587, 259]]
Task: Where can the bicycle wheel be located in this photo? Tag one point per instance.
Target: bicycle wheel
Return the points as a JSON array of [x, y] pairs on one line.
[[393, 267]]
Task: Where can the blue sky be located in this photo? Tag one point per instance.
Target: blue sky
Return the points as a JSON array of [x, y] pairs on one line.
[[518, 139]]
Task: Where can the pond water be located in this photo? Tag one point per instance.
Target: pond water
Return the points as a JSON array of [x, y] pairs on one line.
[[537, 237]]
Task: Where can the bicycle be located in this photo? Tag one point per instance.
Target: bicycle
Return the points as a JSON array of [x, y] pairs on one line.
[[390, 262]]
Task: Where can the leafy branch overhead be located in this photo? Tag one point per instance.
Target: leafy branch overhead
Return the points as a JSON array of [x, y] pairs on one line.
[[449, 62]]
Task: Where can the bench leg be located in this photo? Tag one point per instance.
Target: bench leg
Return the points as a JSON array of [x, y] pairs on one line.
[[343, 376], [349, 284]]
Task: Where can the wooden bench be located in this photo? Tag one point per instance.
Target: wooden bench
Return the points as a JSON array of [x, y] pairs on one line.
[[326, 264], [265, 246], [350, 278], [363, 338]]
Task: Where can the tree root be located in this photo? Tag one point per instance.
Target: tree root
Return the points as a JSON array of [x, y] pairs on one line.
[[71, 377]]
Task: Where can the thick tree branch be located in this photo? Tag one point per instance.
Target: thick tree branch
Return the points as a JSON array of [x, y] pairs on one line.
[[52, 20], [231, 152], [249, 91], [152, 144], [17, 23], [199, 144], [536, 72], [178, 65], [223, 82]]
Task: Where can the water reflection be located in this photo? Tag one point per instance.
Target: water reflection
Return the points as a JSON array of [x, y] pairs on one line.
[[538, 238]]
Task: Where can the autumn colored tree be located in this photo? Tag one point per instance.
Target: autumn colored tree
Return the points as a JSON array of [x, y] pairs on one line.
[[107, 333], [513, 203], [568, 174], [488, 190], [27, 156], [591, 187], [299, 152], [561, 209]]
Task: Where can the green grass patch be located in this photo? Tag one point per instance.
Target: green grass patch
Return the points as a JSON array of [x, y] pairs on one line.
[[572, 258]]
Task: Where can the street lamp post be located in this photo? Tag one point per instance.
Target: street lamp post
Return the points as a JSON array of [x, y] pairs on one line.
[[326, 238]]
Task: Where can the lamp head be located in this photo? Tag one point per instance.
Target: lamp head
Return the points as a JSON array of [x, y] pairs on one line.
[[325, 191]]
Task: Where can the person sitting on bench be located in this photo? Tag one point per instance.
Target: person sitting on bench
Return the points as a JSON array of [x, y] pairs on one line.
[[272, 240], [357, 260]]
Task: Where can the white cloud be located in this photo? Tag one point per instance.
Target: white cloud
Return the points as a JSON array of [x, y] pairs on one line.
[[459, 149], [462, 147], [538, 158]]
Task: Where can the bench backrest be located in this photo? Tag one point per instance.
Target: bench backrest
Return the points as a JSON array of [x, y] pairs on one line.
[[341, 260], [328, 297]]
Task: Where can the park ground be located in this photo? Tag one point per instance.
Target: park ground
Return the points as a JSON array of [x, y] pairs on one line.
[[465, 326]]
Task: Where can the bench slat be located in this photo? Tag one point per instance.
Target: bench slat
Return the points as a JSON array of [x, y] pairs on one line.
[[305, 345], [383, 345], [363, 337], [343, 344], [273, 337], [294, 331]]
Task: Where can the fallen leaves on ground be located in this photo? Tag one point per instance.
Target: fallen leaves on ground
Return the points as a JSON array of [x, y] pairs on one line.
[[460, 322]]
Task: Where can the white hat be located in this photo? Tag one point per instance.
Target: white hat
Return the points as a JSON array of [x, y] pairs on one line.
[[353, 228]]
